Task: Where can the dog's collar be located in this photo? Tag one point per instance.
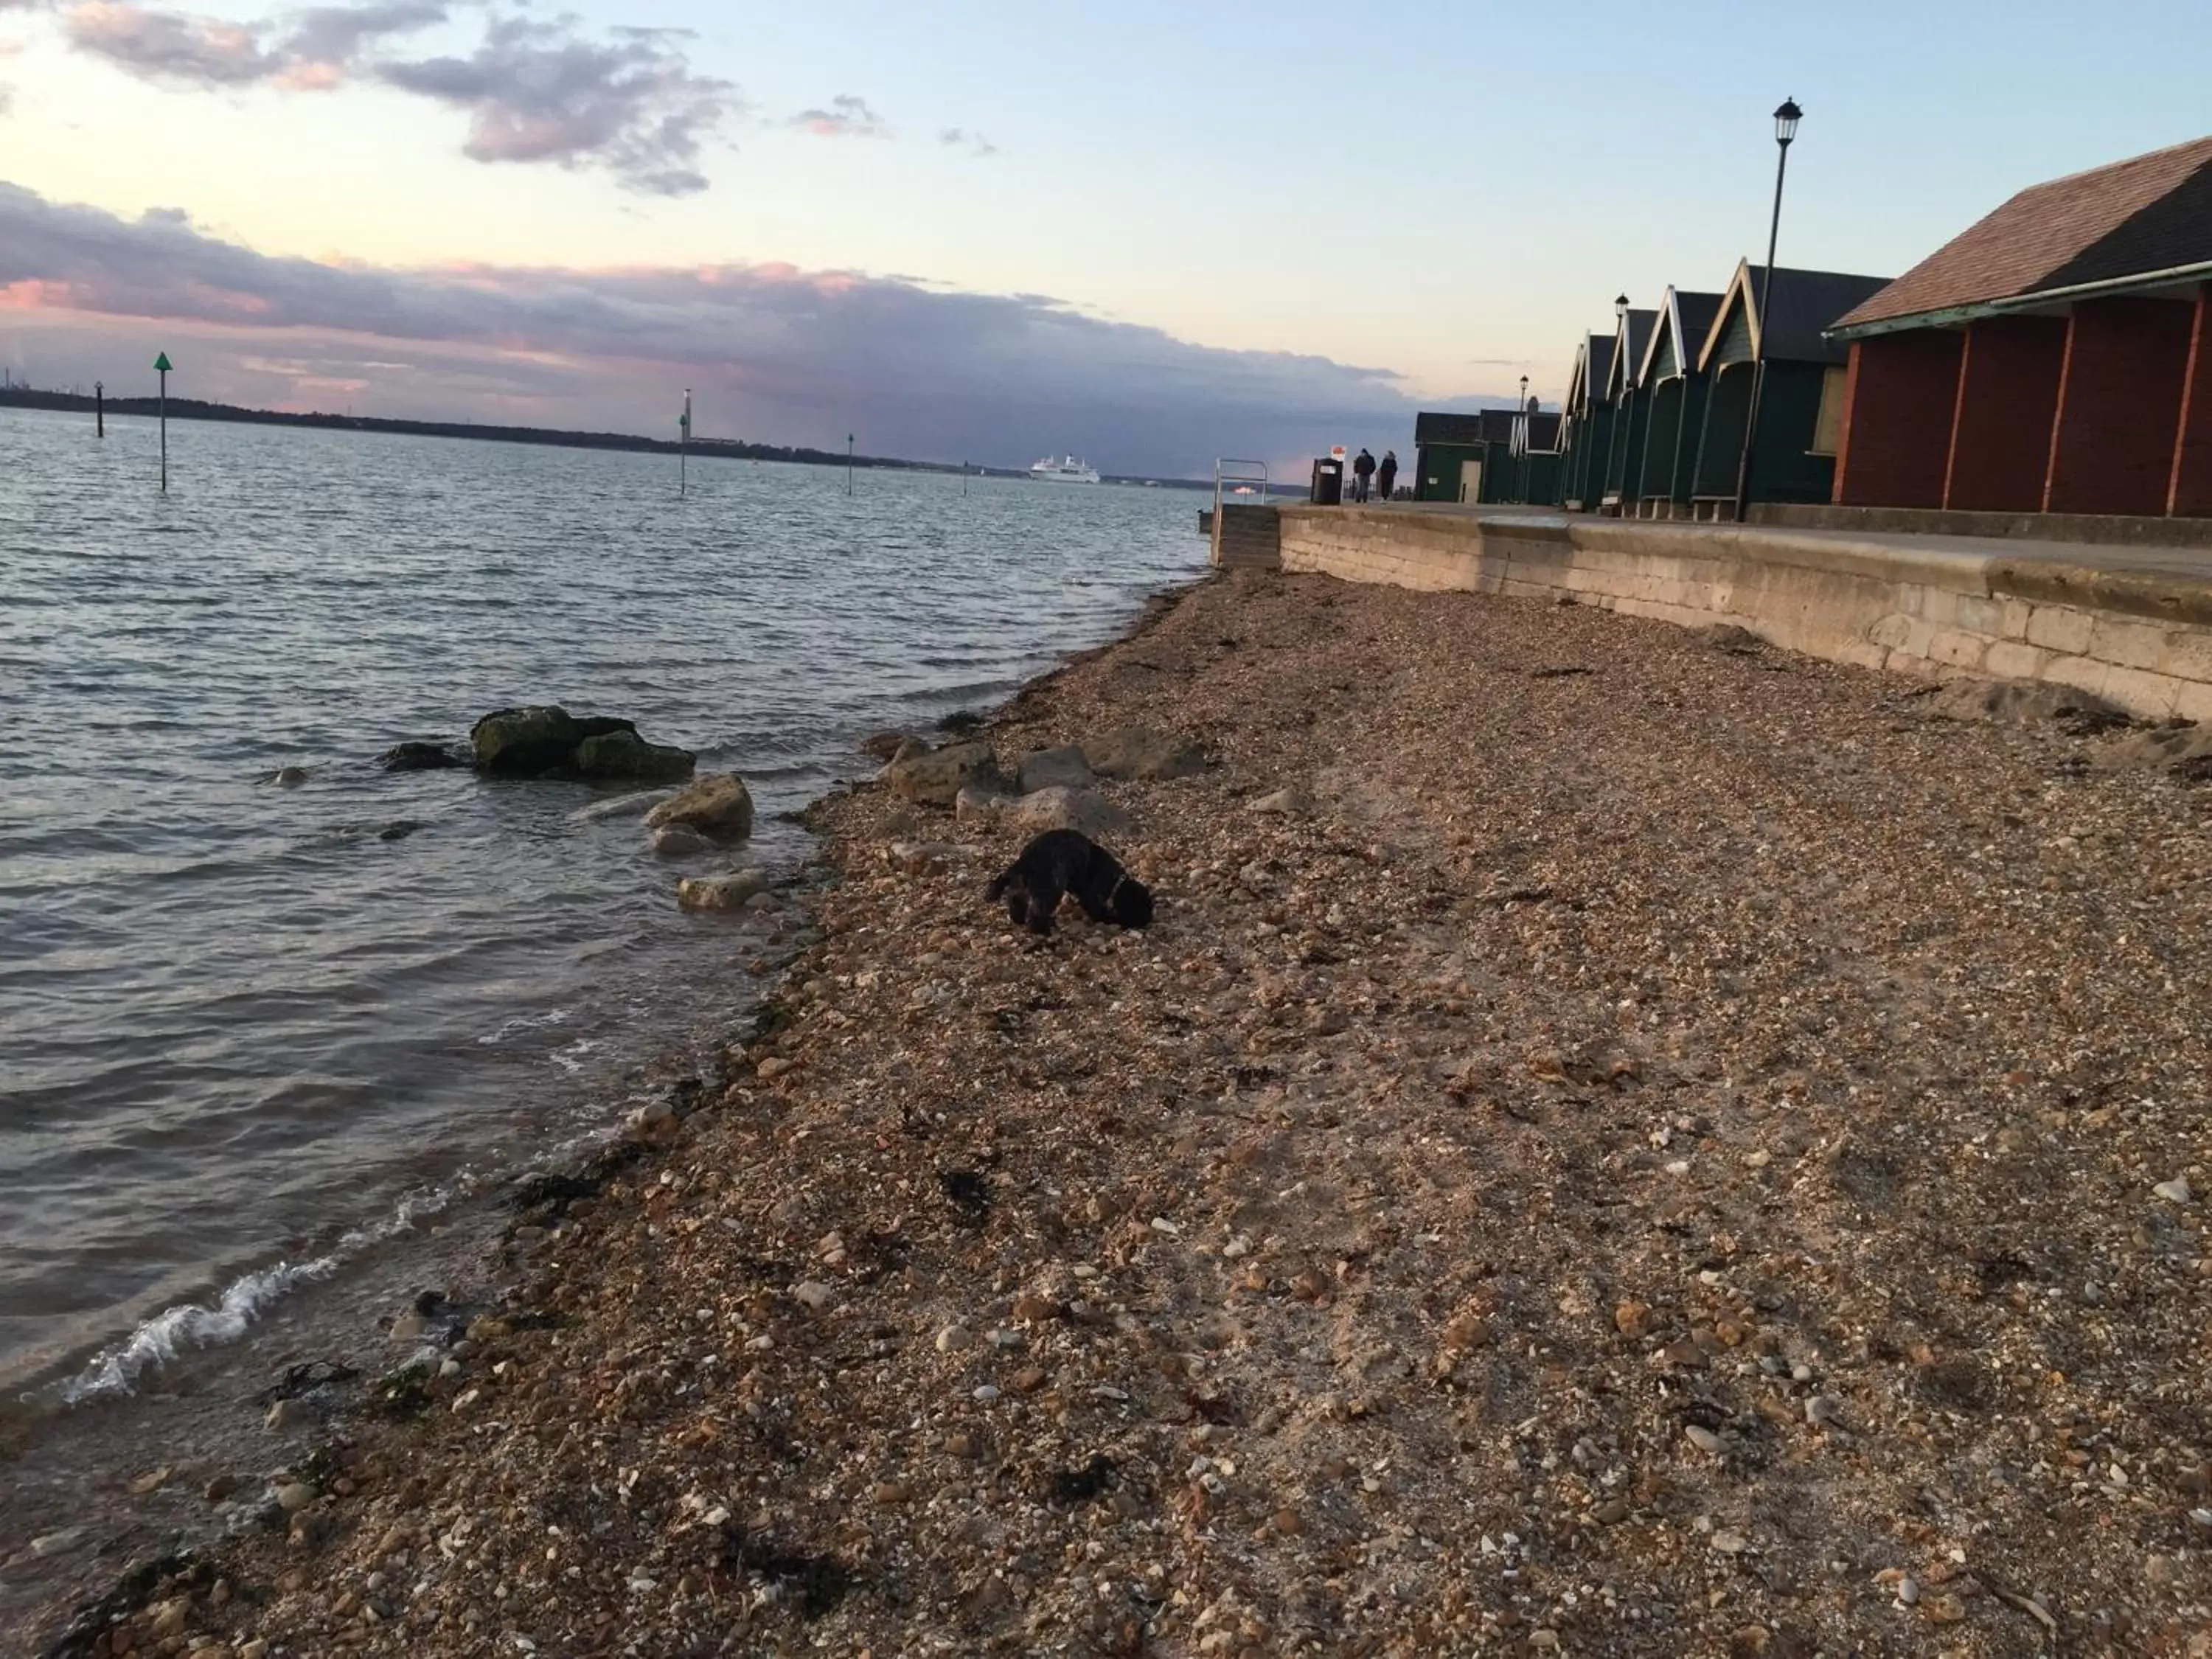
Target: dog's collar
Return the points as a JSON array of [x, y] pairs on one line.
[[1113, 892]]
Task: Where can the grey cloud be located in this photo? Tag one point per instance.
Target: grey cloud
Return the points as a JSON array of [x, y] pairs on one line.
[[536, 92], [7, 98], [973, 142], [310, 49], [533, 91], [170, 45], [848, 117], [800, 356], [336, 36]]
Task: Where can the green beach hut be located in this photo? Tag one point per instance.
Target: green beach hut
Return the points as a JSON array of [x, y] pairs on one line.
[[1625, 439], [1672, 387], [1800, 409], [1586, 424]]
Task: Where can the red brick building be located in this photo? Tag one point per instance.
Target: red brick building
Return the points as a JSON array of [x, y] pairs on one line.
[[2055, 358]]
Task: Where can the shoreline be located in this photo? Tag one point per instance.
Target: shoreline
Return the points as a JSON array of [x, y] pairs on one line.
[[1608, 1144], [472, 1231]]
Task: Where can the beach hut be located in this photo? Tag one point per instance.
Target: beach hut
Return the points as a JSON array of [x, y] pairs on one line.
[[1672, 388], [1624, 441], [1491, 458], [1530, 474], [1793, 456], [1587, 424], [2055, 358], [1450, 453]]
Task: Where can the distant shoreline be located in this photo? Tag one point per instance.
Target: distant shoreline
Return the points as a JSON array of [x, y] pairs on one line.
[[194, 408]]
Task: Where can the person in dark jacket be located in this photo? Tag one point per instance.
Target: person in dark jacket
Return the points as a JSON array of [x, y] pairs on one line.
[[1363, 471], [1386, 476]]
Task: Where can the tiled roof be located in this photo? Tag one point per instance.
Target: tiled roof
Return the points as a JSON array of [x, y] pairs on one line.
[[2149, 214]]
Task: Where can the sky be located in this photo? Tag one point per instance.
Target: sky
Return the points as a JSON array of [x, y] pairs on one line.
[[1152, 234]]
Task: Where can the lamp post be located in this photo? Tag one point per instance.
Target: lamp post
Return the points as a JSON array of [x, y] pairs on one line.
[[1604, 463], [1785, 129], [1520, 427]]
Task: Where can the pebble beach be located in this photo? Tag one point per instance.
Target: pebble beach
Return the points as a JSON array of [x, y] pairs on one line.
[[1618, 1140]]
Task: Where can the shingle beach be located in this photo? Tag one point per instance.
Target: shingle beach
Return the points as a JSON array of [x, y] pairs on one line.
[[1618, 1141]]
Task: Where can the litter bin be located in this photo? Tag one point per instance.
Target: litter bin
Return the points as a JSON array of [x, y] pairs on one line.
[[1327, 482]]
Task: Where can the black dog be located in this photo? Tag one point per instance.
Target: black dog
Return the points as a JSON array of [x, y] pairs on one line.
[[1068, 862]]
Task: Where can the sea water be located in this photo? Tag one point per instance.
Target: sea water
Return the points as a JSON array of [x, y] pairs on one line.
[[250, 1028]]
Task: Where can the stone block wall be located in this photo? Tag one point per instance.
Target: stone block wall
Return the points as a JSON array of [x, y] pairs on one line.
[[1909, 605]]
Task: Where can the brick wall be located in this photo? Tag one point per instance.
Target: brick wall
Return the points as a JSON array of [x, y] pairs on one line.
[[1898, 400]]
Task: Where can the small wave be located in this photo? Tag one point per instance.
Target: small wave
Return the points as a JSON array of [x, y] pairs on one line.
[[189, 1325], [175, 1330], [521, 1023], [572, 1058]]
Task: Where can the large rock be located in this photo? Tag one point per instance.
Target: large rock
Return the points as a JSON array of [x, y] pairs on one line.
[[528, 743], [1292, 802], [419, 758], [919, 857], [717, 804], [626, 755], [979, 803], [1060, 808], [1064, 768], [677, 842], [634, 806], [720, 892], [1138, 751], [885, 745], [936, 776]]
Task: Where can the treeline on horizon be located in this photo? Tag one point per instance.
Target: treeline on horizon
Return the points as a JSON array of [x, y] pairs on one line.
[[194, 408]]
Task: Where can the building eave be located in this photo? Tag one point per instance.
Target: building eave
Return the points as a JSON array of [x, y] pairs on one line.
[[1955, 316]]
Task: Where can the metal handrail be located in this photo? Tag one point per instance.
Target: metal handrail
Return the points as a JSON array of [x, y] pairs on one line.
[[1220, 477]]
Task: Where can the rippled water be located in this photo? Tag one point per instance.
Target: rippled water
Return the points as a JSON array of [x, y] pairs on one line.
[[239, 1032]]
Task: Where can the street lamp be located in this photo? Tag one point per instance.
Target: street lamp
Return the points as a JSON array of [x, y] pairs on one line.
[[1527, 437], [1785, 129]]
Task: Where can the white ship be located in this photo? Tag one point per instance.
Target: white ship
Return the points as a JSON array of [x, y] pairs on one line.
[[1065, 470]]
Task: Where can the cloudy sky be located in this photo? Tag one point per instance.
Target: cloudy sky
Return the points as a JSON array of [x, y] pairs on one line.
[[1152, 234]]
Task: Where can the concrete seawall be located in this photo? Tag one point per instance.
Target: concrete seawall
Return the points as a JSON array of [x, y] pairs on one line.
[[2131, 625]]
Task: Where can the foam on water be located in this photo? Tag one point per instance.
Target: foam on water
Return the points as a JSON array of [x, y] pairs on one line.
[[176, 1330]]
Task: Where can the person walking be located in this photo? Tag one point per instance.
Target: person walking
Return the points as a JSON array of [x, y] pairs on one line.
[[1363, 472], [1386, 476]]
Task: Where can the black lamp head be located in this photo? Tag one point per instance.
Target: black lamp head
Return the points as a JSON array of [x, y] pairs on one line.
[[1785, 121]]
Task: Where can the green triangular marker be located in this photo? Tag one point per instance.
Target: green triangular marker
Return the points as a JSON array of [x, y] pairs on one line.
[[162, 364]]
